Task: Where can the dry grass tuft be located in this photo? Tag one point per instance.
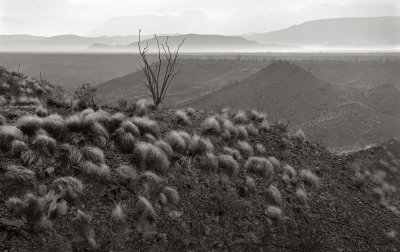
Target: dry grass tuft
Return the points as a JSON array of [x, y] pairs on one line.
[[232, 152], [260, 166], [19, 174], [208, 162], [9, 134], [289, 170], [241, 117], [242, 133], [17, 147], [274, 196], [41, 112], [176, 141], [74, 123], [29, 124], [308, 177], [171, 194], [93, 169], [301, 195], [146, 126], [200, 145], [245, 148], [127, 173], [125, 141], [164, 146], [210, 126], [45, 144], [93, 154], [68, 187], [260, 149], [149, 157], [274, 213], [128, 126], [55, 125], [227, 164], [182, 117], [145, 210]]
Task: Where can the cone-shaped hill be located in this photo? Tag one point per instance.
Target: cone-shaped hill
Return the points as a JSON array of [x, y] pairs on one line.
[[283, 89]]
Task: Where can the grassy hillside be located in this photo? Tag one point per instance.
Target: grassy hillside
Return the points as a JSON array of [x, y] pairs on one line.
[[187, 180]]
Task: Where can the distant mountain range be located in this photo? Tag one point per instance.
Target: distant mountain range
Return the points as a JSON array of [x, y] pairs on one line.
[[365, 33]]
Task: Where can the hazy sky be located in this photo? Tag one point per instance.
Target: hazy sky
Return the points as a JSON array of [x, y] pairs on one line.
[[92, 17]]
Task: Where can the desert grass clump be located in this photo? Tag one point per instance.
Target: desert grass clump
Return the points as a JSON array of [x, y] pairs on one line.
[[210, 126], [45, 144], [125, 141], [3, 120], [250, 185], [190, 111], [17, 147], [308, 177], [228, 164], [149, 157], [242, 133], [72, 155], [27, 158], [208, 162], [127, 173], [19, 174], [68, 187], [251, 129], [82, 223], [257, 116], [98, 130], [117, 213], [260, 149], [100, 116], [171, 194], [275, 162], [229, 128], [182, 117], [93, 154], [241, 117], [301, 195], [260, 166], [176, 141], [164, 146], [9, 134], [200, 145], [29, 124], [289, 170], [146, 126], [232, 152], [128, 126], [117, 119], [41, 112], [74, 123], [55, 125], [274, 196], [144, 210], [274, 213], [245, 149], [93, 169], [264, 126]]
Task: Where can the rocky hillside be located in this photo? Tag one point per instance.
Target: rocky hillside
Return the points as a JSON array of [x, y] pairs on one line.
[[184, 180]]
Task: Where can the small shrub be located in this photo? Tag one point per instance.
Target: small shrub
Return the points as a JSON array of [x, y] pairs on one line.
[[29, 124], [260, 166], [171, 194], [245, 148], [257, 116], [45, 144], [309, 177], [300, 135], [208, 162], [122, 105], [149, 157], [146, 126], [200, 145], [87, 96], [144, 210], [227, 164], [274, 213], [93, 154], [182, 117], [176, 141], [274, 196], [41, 112], [210, 126], [17, 147]]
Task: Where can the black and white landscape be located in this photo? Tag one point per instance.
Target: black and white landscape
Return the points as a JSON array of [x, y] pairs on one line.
[[187, 126]]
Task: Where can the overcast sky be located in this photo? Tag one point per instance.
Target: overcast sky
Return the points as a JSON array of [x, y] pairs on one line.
[[92, 17]]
